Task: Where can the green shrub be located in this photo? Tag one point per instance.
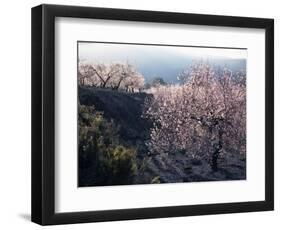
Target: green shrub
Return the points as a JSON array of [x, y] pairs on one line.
[[100, 151], [118, 165]]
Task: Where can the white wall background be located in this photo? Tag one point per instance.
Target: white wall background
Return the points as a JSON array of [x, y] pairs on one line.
[[15, 113]]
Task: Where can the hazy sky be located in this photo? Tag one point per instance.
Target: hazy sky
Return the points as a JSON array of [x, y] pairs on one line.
[[151, 61]]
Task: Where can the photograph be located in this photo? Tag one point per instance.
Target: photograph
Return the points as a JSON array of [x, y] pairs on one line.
[[142, 113], [154, 114]]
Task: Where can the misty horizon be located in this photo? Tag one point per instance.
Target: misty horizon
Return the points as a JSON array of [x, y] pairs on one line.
[[161, 61]]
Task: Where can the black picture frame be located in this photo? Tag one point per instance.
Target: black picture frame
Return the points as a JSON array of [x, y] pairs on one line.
[[43, 114]]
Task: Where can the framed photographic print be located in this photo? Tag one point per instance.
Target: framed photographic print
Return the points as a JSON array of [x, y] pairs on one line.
[[143, 114]]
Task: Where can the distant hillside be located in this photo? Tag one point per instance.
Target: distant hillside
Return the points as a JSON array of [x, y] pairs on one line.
[[168, 69]]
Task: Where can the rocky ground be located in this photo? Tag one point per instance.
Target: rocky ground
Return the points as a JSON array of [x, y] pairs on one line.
[[182, 168]]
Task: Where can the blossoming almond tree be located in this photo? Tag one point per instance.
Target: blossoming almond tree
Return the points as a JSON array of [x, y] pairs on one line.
[[204, 117], [114, 75]]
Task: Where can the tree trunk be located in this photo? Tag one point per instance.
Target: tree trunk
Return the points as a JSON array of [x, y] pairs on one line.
[[216, 153], [103, 84], [106, 81], [119, 83], [214, 163]]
